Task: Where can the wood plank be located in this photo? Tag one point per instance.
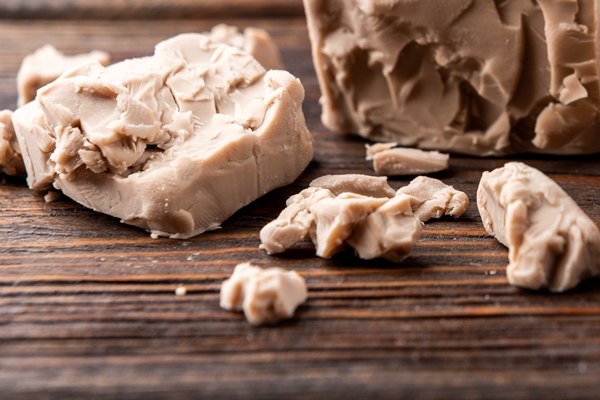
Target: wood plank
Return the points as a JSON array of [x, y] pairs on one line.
[[87, 304], [149, 9]]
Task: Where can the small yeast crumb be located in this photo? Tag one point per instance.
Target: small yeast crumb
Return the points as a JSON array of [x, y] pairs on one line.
[[52, 196], [266, 296]]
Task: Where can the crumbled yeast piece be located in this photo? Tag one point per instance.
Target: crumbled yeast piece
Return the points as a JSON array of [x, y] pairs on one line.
[[480, 77], [552, 243], [336, 219], [174, 143], [390, 160], [45, 65], [52, 196], [346, 200], [432, 198], [264, 295], [294, 223], [365, 185], [390, 231], [11, 161], [376, 225]]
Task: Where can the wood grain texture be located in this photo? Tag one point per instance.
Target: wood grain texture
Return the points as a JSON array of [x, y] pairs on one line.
[[148, 9], [88, 310]]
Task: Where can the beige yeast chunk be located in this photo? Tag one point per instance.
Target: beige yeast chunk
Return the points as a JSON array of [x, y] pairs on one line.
[[174, 143], [432, 198], [294, 223], [480, 77], [336, 219], [264, 295], [390, 232], [374, 186], [11, 161], [390, 160], [375, 226], [552, 242]]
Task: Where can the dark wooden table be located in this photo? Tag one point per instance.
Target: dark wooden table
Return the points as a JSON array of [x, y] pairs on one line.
[[87, 305]]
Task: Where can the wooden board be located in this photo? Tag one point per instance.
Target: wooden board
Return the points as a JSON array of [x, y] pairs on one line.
[[87, 305], [148, 9]]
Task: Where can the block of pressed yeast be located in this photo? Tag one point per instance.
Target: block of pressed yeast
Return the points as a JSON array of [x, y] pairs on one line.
[[479, 77], [174, 143], [552, 242]]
